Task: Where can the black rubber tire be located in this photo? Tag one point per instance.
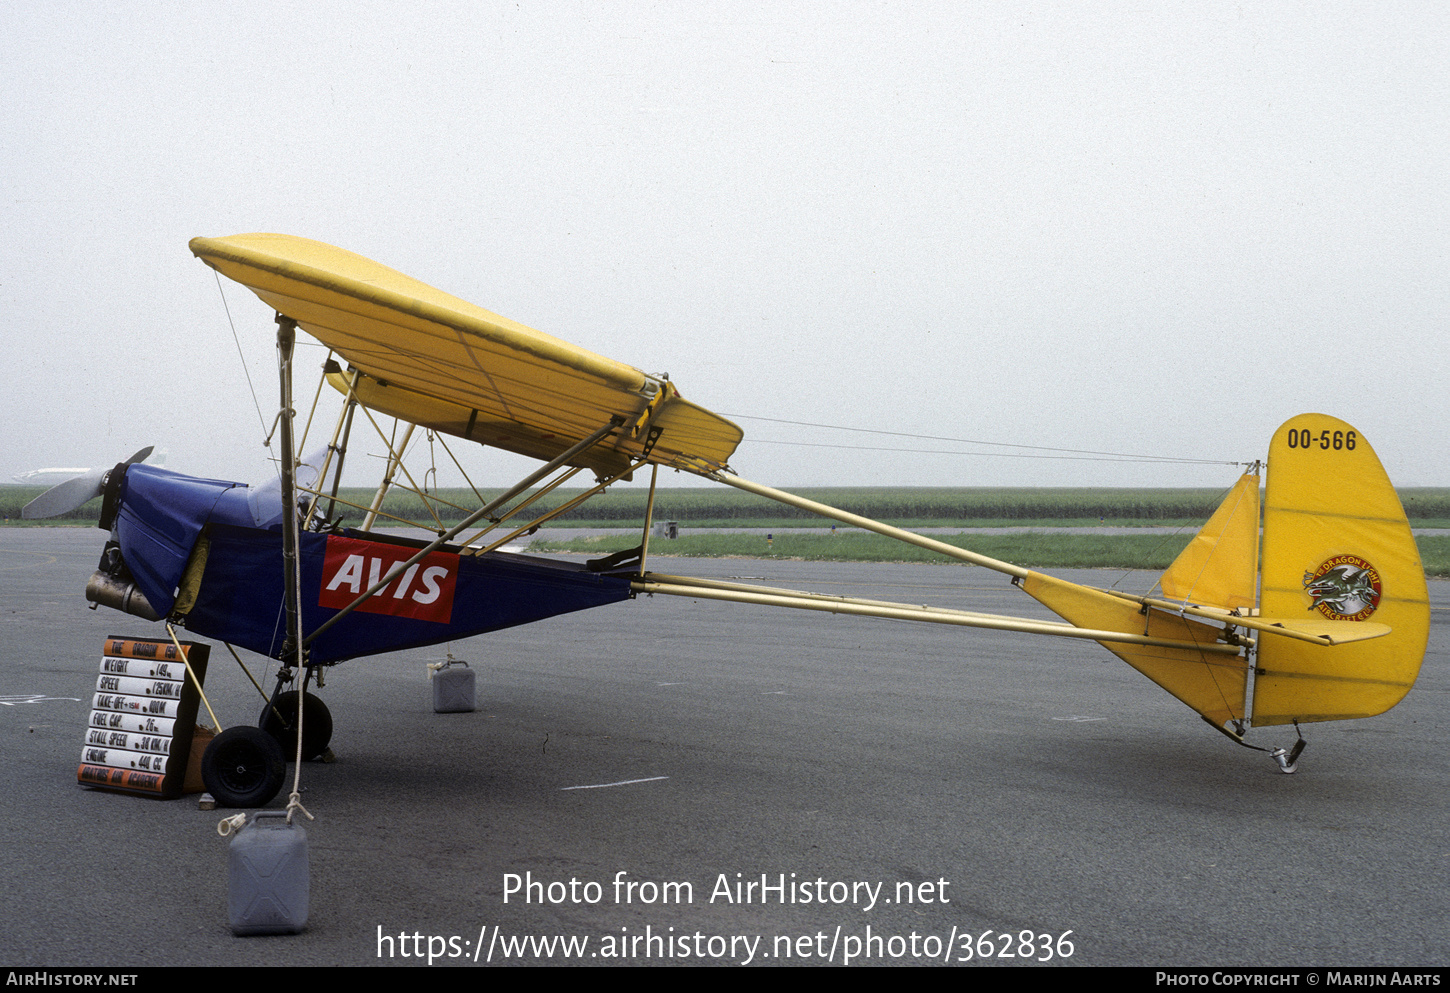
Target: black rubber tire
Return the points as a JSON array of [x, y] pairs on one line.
[[243, 767], [316, 726]]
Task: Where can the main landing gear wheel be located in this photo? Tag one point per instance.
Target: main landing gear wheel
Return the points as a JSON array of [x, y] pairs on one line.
[[243, 767], [316, 725]]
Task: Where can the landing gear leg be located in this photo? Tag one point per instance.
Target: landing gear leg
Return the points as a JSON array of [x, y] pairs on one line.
[[316, 725], [279, 719]]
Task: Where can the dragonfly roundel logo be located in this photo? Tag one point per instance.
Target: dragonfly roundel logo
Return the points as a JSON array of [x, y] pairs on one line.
[[423, 592], [1344, 588]]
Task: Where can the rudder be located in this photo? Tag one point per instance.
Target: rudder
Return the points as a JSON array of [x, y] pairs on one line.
[[1337, 543]]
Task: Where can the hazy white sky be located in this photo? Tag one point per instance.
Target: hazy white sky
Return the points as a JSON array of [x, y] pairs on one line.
[[1144, 228]]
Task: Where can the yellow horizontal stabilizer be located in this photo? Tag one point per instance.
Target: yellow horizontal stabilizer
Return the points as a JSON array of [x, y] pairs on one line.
[[1318, 631], [456, 364], [1314, 631]]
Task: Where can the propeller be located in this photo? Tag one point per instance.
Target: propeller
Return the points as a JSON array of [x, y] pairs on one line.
[[73, 493]]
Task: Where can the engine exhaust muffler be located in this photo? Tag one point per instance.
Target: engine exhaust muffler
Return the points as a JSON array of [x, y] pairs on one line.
[[106, 590]]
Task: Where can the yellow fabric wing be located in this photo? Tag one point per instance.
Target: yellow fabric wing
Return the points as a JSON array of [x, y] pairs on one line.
[[442, 362]]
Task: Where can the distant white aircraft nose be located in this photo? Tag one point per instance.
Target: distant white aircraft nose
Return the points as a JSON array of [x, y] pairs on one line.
[[40, 477], [49, 477]]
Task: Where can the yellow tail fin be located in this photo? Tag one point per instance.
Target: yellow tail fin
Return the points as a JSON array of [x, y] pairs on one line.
[[1344, 614], [1220, 566], [1336, 546]]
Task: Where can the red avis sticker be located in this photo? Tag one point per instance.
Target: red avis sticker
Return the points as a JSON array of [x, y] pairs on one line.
[[423, 592]]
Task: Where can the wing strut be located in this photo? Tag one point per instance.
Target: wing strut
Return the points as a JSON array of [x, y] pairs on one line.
[[649, 516], [468, 522], [395, 459], [291, 565]]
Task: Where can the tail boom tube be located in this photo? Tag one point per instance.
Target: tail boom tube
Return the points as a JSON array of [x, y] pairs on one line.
[[772, 597]]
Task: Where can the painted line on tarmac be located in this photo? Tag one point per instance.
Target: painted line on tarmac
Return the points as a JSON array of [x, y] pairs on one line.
[[622, 782], [46, 559]]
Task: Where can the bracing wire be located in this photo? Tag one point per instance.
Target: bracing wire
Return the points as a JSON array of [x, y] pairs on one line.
[[1075, 454], [1009, 455], [241, 355]]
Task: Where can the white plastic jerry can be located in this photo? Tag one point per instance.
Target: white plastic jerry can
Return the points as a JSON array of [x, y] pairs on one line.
[[268, 876], [453, 688]]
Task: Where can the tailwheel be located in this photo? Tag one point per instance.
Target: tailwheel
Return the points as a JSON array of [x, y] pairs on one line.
[[243, 767], [1288, 759], [316, 725]]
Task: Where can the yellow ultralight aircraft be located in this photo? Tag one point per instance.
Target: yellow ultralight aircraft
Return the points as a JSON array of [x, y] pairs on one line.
[[1331, 625]]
